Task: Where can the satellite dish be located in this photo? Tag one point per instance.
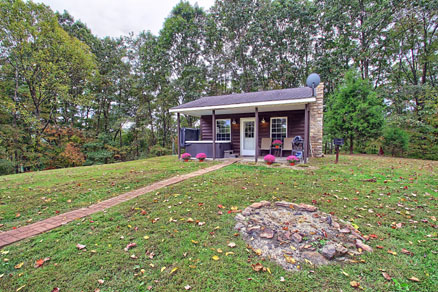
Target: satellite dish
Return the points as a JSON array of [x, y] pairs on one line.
[[313, 80]]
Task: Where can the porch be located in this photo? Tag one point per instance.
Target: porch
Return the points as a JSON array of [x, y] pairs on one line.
[[247, 129]]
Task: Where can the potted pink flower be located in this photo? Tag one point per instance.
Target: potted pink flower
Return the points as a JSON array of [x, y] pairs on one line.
[[277, 143], [269, 159], [201, 156], [186, 156], [292, 159]]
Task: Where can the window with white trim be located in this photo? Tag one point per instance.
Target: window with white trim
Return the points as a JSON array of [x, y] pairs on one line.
[[279, 128], [223, 130]]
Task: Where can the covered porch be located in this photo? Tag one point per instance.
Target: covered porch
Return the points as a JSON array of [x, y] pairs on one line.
[[245, 125]]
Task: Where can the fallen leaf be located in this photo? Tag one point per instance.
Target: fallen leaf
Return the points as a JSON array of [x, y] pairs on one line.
[[18, 266], [56, 289], [405, 251], [258, 267], [100, 281], [258, 251], [173, 270], [392, 252], [354, 284], [40, 262], [386, 276], [232, 245], [130, 245], [162, 269], [343, 272], [215, 258], [414, 279], [229, 253], [290, 259], [146, 237], [18, 289], [187, 287], [80, 246]]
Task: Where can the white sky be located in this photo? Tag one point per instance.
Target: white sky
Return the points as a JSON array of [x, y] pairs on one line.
[[119, 17]]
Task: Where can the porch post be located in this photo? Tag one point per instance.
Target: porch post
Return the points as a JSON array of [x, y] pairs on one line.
[[179, 134], [306, 133], [256, 134], [213, 125]]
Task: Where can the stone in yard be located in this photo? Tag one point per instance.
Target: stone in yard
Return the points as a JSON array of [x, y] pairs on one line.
[[315, 257], [239, 217], [308, 208], [267, 233], [296, 237], [363, 246], [344, 230], [336, 225], [258, 205], [239, 226], [341, 250], [329, 251], [285, 204], [247, 211]]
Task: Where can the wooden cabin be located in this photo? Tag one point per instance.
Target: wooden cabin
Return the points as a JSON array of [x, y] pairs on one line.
[[238, 123]]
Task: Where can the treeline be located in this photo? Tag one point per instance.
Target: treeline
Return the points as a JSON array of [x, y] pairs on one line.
[[69, 98]]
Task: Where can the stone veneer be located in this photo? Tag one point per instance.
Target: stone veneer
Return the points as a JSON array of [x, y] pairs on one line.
[[316, 122]]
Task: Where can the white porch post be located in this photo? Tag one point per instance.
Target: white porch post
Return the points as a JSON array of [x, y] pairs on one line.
[[213, 124], [256, 136]]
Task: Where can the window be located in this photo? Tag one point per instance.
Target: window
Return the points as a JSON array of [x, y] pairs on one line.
[[279, 128], [223, 130]]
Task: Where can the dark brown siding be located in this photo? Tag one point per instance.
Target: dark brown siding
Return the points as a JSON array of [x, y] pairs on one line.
[[295, 124]]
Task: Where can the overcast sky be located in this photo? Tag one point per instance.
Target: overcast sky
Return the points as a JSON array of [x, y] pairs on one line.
[[119, 17]]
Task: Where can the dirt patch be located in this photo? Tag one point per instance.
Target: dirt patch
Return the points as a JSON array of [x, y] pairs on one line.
[[293, 234]]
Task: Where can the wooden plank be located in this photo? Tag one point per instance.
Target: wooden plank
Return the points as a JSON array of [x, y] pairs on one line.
[[306, 133]]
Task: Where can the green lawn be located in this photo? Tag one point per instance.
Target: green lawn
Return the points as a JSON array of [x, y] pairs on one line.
[[29, 197], [172, 253]]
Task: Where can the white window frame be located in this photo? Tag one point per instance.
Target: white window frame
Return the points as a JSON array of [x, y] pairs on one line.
[[270, 126], [218, 132]]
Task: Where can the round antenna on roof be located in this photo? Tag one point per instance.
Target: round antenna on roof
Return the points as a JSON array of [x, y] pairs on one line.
[[313, 81]]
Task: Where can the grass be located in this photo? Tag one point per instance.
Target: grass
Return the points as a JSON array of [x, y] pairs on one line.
[[29, 197], [405, 191]]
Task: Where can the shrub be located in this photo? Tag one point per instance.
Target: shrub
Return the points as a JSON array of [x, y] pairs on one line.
[[6, 167], [269, 158], [201, 156], [186, 156], [396, 140], [158, 150], [292, 158], [277, 143]]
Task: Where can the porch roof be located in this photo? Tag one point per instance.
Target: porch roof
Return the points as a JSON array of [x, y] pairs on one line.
[[272, 100]]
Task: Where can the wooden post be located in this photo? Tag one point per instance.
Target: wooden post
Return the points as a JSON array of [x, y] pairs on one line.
[[337, 154], [179, 134], [256, 135], [306, 133], [213, 121]]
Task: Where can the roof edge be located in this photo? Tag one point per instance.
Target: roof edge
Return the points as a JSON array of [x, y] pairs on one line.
[[248, 104]]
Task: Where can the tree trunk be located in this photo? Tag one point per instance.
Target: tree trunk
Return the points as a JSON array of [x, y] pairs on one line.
[[351, 145]]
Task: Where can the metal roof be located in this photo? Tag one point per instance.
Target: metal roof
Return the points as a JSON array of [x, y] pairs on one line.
[[247, 98]]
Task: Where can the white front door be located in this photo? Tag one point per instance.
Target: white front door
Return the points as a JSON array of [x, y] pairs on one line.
[[247, 136]]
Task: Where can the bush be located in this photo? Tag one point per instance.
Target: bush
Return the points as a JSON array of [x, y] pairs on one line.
[[6, 167], [292, 158], [186, 156], [396, 140]]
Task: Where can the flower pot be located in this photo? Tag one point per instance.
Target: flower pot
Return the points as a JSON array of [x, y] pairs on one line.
[[276, 146], [269, 163], [201, 160], [186, 160], [292, 163]]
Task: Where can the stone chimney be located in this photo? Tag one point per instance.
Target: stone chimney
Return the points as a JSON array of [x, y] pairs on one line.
[[316, 122]]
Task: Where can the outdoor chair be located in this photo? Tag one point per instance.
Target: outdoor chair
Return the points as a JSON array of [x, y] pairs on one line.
[[287, 145], [265, 145]]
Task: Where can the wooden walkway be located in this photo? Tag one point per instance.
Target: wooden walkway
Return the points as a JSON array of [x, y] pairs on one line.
[[27, 231]]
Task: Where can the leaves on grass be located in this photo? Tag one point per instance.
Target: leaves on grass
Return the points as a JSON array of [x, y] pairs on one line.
[[258, 267], [232, 245], [392, 252], [386, 276], [187, 287], [414, 279], [215, 258], [130, 245], [173, 270], [80, 246], [41, 262], [354, 284], [405, 251], [18, 266]]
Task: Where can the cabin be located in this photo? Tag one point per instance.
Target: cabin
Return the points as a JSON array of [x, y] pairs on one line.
[[246, 124]]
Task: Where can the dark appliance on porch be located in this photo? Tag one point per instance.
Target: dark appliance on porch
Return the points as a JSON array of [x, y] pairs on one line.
[[298, 147]]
